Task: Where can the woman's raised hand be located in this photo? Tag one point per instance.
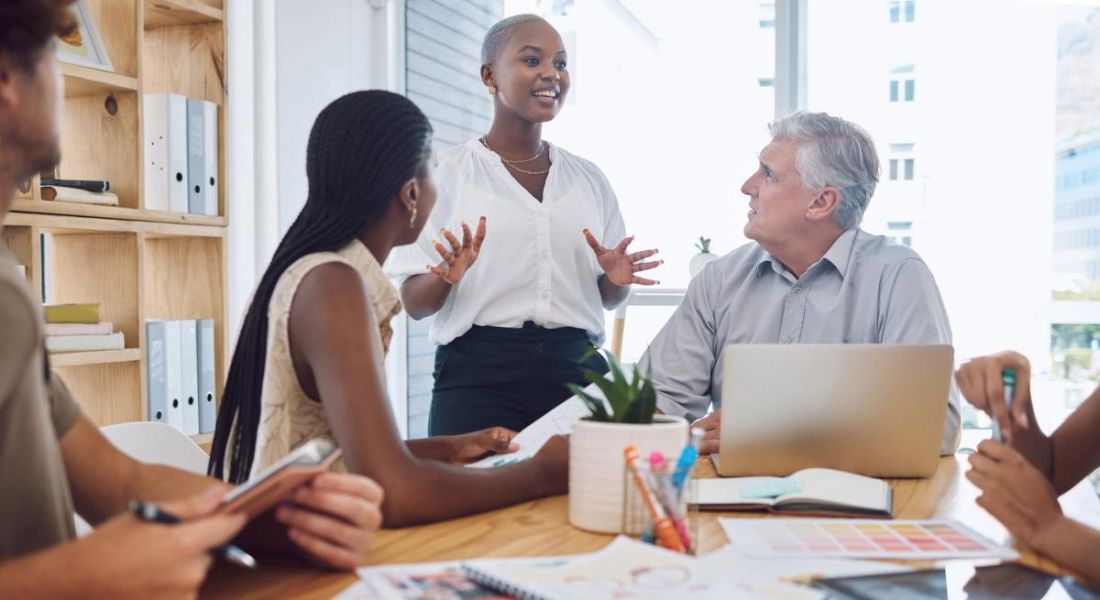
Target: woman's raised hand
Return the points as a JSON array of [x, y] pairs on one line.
[[620, 266], [460, 257]]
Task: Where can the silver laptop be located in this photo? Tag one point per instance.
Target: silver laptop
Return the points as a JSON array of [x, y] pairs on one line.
[[871, 409]]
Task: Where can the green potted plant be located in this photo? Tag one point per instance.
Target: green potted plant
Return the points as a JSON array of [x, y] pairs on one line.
[[622, 414], [700, 260]]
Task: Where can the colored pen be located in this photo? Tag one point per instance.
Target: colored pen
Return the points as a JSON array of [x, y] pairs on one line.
[[687, 461], [1008, 378], [667, 495], [666, 532], [147, 511]]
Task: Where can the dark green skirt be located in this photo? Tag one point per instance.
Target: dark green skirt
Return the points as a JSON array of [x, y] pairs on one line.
[[507, 377]]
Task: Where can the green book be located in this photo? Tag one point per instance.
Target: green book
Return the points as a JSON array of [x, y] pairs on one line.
[[72, 313]]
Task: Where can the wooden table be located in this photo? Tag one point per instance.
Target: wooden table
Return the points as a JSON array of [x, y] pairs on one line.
[[541, 528]]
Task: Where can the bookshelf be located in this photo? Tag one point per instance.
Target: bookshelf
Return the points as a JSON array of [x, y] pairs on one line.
[[138, 264]]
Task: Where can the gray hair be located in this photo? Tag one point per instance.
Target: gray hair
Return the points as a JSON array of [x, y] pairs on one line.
[[833, 152], [498, 35]]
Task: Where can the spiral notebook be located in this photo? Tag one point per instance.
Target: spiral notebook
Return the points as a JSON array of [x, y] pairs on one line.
[[626, 568]]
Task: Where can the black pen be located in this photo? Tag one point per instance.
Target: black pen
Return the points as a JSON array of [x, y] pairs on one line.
[[147, 511]]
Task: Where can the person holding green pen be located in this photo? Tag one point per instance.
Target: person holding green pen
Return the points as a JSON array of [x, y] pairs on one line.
[[1022, 476]]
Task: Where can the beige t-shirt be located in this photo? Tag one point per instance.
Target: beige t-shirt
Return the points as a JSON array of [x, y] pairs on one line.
[[36, 507], [288, 417]]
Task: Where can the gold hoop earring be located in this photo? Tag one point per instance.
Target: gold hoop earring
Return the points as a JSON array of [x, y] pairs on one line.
[[412, 218]]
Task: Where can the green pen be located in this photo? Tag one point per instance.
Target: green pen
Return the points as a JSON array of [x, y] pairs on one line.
[[1008, 378]]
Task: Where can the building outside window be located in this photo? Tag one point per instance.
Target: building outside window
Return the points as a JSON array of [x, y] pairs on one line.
[[902, 164], [902, 84], [902, 11]]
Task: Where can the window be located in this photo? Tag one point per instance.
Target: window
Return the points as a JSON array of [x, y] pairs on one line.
[[902, 84], [901, 232], [767, 15], [902, 11], [902, 163]]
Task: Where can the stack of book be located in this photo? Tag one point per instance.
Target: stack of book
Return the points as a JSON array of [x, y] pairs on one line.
[[77, 328]]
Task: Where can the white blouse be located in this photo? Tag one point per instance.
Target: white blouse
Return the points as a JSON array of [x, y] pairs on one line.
[[535, 264]]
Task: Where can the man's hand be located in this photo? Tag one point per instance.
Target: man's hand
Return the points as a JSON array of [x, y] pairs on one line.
[[129, 558], [1015, 493], [712, 431], [333, 519]]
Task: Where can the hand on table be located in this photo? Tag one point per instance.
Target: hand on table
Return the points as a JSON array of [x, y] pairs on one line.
[[1015, 493], [981, 384], [461, 256], [474, 446], [619, 266], [712, 431], [333, 518]]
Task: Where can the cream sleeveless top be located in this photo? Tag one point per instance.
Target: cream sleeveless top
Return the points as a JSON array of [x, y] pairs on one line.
[[289, 418]]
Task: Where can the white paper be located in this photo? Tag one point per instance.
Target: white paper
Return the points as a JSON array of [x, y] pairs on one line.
[[415, 581], [859, 538], [556, 422]]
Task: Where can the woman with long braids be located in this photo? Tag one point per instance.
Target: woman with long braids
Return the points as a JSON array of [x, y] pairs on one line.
[[309, 359], [514, 327]]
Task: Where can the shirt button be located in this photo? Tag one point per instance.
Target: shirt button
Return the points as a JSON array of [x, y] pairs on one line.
[[546, 294], [786, 340], [798, 290]]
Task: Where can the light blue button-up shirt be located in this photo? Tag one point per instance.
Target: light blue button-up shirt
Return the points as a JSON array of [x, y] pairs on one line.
[[865, 290]]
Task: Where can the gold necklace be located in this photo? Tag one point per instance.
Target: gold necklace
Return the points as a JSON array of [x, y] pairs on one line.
[[512, 163]]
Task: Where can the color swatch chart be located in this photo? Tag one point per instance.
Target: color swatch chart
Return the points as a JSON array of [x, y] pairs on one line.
[[850, 538]]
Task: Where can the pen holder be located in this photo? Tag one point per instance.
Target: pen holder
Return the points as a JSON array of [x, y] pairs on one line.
[[638, 518]]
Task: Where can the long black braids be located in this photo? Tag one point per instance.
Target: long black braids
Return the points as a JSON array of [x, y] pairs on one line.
[[363, 147]]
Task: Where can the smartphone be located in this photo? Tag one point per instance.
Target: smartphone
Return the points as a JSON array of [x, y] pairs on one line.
[[275, 483]]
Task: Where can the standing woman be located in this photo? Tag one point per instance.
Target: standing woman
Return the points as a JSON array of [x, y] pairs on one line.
[[514, 326]]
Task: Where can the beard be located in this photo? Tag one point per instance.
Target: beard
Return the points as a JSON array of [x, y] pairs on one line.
[[44, 157]]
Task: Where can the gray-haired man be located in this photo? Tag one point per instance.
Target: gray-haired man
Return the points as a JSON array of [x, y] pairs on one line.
[[810, 275]]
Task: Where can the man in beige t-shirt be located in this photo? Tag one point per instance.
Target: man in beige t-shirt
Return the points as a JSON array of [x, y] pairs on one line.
[[53, 459]]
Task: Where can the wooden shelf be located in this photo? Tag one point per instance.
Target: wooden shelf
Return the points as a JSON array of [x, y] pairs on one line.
[[101, 357], [75, 209], [166, 13], [86, 81]]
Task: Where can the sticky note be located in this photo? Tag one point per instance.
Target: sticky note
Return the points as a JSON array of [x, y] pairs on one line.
[[771, 489]]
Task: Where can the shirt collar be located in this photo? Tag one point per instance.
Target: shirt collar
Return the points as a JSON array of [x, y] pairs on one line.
[[386, 299], [839, 255]]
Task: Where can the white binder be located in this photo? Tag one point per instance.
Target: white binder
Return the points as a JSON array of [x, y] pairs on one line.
[[165, 147], [156, 371], [189, 369], [210, 155], [208, 408], [173, 363]]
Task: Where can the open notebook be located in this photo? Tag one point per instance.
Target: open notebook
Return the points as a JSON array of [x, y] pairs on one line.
[[814, 491], [626, 568]]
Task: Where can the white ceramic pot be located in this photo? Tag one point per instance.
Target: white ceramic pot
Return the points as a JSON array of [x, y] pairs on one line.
[[596, 466], [699, 261]]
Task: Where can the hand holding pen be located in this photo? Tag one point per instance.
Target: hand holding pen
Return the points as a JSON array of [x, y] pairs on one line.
[[127, 557], [147, 511], [999, 385]]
